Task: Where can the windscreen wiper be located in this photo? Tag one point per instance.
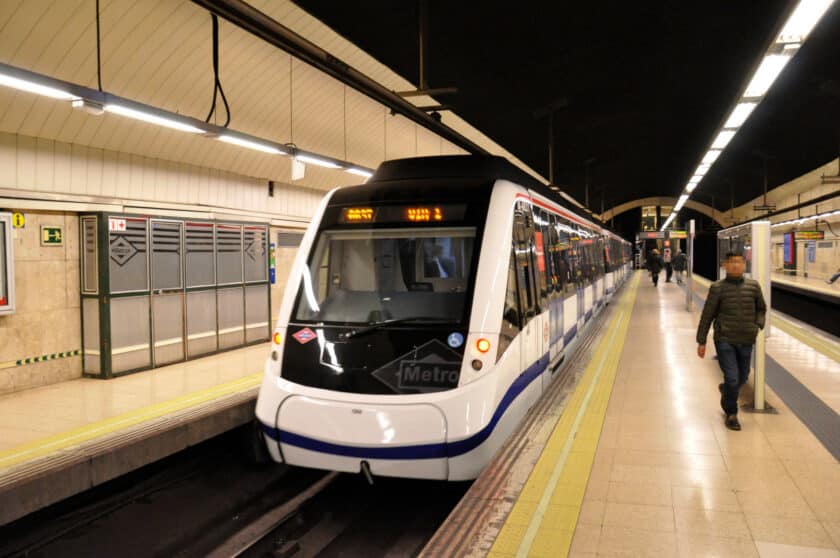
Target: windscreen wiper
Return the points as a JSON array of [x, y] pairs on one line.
[[385, 323]]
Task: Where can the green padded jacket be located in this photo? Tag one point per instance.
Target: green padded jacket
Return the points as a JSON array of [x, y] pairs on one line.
[[737, 308]]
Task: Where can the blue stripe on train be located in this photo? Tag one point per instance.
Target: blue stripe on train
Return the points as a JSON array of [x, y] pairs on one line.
[[567, 338], [423, 451]]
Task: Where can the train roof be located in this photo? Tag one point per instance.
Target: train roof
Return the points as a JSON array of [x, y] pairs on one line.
[[486, 167], [467, 169]]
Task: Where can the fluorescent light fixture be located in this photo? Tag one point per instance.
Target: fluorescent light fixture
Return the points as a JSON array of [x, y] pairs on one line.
[[37, 88], [251, 144], [317, 161], [695, 179], [739, 115], [711, 156], [802, 20], [368, 174], [702, 170], [767, 72], [723, 138], [152, 118], [690, 187]]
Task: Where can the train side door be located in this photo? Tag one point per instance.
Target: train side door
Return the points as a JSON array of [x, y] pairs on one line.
[[527, 280]]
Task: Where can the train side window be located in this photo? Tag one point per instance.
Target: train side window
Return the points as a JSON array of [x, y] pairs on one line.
[[557, 277], [525, 272], [541, 254], [599, 255], [566, 250], [511, 316]]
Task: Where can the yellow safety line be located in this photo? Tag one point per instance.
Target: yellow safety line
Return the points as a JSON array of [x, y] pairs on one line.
[[543, 520], [70, 438], [819, 344]]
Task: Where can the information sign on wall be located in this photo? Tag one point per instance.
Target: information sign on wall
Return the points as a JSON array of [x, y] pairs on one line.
[[52, 236]]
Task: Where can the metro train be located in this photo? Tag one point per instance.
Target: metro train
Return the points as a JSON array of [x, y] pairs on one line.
[[426, 312]]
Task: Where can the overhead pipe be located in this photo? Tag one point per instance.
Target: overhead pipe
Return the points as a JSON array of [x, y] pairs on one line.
[[260, 25]]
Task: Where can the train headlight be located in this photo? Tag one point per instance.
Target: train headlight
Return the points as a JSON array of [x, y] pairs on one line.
[[483, 345], [276, 338]]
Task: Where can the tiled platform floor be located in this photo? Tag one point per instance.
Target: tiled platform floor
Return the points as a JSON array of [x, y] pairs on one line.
[[29, 415], [670, 480]]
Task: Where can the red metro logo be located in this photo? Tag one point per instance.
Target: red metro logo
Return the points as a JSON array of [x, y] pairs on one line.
[[304, 336]]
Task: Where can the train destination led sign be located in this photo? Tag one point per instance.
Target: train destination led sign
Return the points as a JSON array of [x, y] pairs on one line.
[[809, 235], [403, 214]]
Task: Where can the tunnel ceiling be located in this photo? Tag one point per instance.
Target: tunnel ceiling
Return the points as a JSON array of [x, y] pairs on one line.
[[642, 86]]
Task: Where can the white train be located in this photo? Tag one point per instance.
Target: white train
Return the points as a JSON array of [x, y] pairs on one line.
[[426, 312]]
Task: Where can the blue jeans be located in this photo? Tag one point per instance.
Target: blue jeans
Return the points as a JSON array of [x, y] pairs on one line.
[[734, 361]]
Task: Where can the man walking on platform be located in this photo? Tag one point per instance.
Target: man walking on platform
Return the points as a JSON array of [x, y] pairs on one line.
[[654, 265], [736, 306], [680, 265]]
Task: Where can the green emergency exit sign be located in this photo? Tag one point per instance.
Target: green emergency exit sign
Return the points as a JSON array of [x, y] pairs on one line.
[[51, 236]]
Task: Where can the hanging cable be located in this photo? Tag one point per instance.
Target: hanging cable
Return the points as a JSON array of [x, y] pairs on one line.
[[217, 84], [98, 54]]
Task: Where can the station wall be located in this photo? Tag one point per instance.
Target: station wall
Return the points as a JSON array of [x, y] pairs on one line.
[[51, 182], [47, 319]]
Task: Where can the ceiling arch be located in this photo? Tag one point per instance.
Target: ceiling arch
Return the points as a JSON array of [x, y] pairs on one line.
[[717, 216]]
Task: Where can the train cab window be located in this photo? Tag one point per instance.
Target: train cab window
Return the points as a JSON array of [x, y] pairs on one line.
[[511, 315], [368, 276]]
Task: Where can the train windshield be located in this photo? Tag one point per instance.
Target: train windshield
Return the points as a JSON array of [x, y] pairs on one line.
[[370, 276]]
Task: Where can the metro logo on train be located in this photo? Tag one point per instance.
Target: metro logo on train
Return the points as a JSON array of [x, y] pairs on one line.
[[431, 367]]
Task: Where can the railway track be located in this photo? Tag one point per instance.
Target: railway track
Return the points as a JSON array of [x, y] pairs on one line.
[[208, 501]]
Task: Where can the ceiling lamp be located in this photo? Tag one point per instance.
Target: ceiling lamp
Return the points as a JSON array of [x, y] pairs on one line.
[[151, 118], [31, 86], [796, 28], [802, 20], [767, 72], [723, 138], [241, 142], [313, 160]]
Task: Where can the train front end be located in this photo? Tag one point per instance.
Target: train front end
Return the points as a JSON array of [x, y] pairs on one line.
[[373, 334]]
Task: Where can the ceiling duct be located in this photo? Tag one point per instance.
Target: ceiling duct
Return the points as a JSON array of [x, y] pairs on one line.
[[260, 25]]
